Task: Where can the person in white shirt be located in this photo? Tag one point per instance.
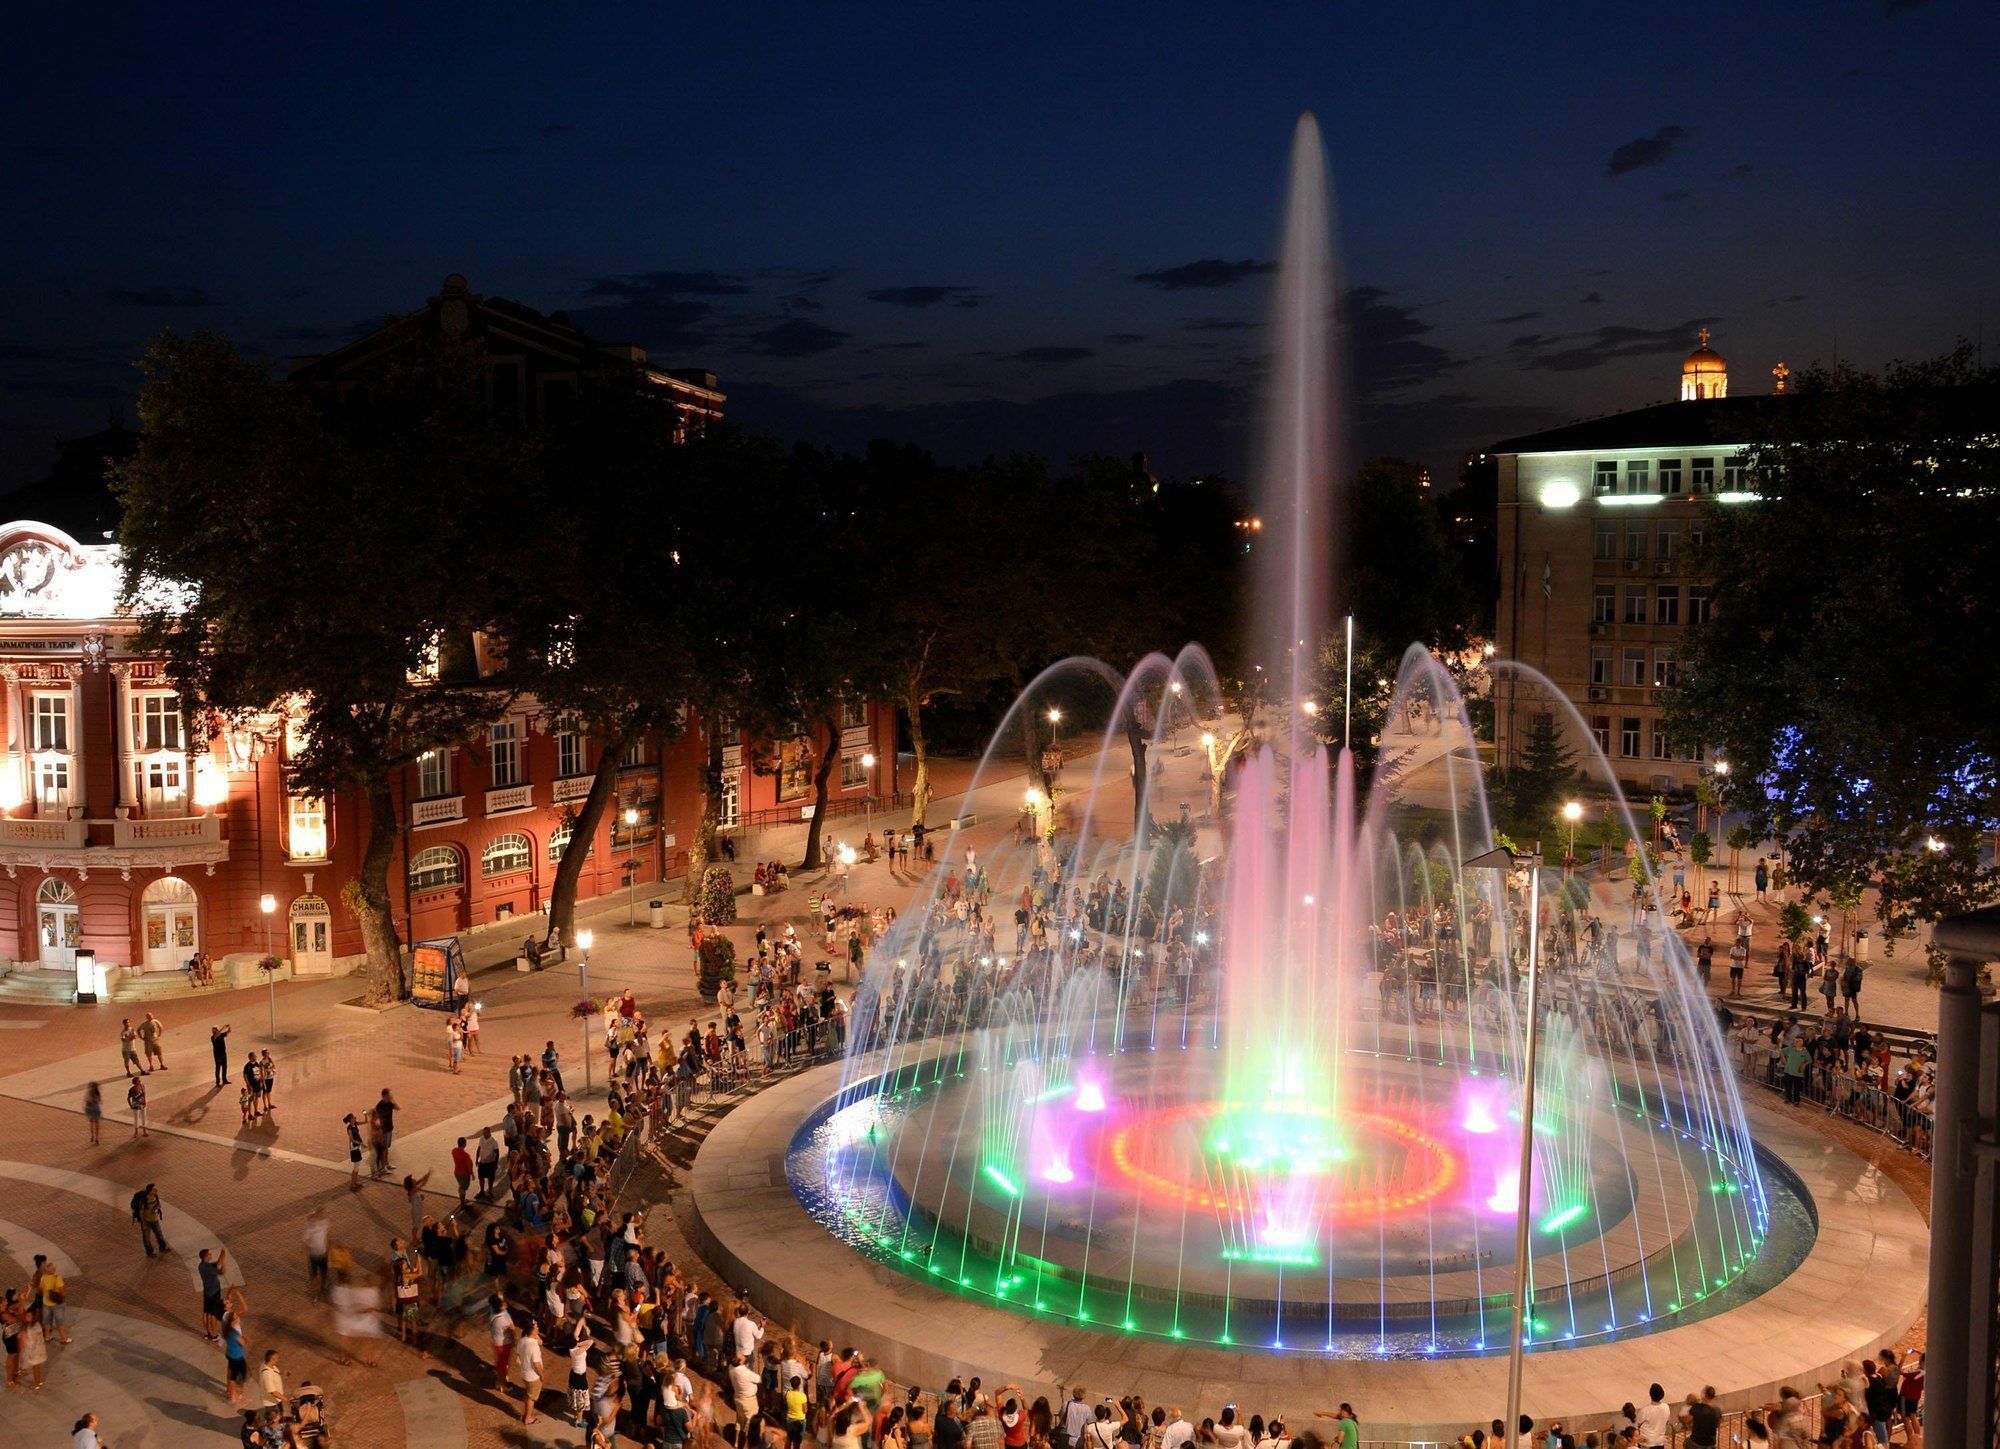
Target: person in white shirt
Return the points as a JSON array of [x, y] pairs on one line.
[[531, 1369], [1654, 1419], [743, 1388], [1179, 1432], [1230, 1434], [746, 1331], [85, 1433]]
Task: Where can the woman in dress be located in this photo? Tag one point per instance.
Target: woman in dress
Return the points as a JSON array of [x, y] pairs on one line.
[[34, 1349], [93, 1111]]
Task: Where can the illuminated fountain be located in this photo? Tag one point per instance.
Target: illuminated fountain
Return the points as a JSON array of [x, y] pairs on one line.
[[1259, 1082]]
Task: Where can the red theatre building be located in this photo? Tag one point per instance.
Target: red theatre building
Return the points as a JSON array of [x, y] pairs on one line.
[[118, 838]]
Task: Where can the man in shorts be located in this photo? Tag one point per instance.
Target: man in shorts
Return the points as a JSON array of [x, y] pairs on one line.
[[209, 1269]]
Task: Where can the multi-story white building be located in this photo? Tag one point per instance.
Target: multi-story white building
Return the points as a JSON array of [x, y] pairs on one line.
[[1597, 520]]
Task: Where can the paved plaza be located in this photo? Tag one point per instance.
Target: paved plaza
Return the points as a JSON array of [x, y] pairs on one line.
[[139, 1360]]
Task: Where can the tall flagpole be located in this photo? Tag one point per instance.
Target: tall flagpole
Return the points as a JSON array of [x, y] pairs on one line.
[[1347, 717]]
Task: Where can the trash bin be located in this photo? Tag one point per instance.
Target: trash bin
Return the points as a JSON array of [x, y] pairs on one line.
[[657, 911]]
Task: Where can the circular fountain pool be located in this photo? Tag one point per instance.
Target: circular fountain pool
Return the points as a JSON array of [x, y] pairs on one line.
[[1128, 1196]]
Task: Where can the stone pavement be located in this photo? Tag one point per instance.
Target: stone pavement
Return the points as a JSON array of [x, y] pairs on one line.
[[139, 1360]]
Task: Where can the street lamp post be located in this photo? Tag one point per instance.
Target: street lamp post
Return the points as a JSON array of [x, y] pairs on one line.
[[1572, 812], [1501, 859], [868, 796], [631, 866], [584, 939], [268, 904]]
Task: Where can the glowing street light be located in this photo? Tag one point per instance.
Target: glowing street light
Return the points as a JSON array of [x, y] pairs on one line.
[[584, 940], [1572, 812], [268, 904], [1310, 706], [631, 866], [868, 798], [1934, 845]]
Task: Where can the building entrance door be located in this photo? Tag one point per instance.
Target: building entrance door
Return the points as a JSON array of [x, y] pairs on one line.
[[312, 937], [57, 926], [171, 924]]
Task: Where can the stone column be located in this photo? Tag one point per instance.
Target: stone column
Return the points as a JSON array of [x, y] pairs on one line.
[[122, 790], [79, 792]]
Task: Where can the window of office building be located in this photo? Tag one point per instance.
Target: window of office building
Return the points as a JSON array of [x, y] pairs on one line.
[[1639, 476], [1698, 604], [1736, 474], [1635, 541], [1635, 667], [1600, 664], [1666, 670], [1603, 603], [1604, 478], [1605, 540], [1670, 542], [1635, 603], [1701, 475], [1661, 749], [1600, 730], [1628, 737], [1670, 475], [1667, 604]]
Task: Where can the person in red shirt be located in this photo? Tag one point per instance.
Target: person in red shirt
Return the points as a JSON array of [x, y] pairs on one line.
[[461, 1168]]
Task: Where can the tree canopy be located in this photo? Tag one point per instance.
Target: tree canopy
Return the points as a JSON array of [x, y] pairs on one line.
[[1842, 673]]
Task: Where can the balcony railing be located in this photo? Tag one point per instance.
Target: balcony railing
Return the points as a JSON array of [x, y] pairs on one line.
[[438, 810], [571, 787], [173, 830], [44, 834], [510, 798]]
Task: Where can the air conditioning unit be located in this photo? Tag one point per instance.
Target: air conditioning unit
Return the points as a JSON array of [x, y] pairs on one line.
[[1633, 565], [1598, 691], [1597, 629], [1664, 566]]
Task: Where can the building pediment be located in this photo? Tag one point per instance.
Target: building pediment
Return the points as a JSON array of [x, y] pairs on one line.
[[46, 574]]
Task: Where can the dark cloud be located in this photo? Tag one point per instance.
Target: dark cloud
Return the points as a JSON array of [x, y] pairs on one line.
[[1644, 151], [1590, 299], [1675, 195], [556, 128], [160, 296], [1208, 273], [1785, 301], [664, 310], [1600, 345], [1124, 337], [76, 372], [1741, 168], [694, 284], [1051, 356], [1387, 343], [498, 151], [892, 347], [802, 303], [312, 333], [926, 296], [1596, 271], [1892, 8], [1513, 318], [1219, 324], [795, 337]]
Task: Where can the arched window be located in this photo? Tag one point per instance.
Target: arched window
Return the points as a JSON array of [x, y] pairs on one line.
[[435, 868], [559, 841], [506, 854], [56, 892]]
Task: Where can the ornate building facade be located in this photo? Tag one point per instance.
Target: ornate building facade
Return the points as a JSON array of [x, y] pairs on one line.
[[120, 837]]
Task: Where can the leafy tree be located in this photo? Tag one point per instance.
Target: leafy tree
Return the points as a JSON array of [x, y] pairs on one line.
[[1375, 668], [1398, 577], [602, 631], [1701, 850], [1738, 840], [1852, 603], [1795, 922], [271, 545]]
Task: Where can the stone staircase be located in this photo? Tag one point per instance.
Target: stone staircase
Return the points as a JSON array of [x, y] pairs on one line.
[[29, 986]]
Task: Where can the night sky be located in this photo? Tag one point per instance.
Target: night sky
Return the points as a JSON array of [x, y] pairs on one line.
[[986, 228]]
